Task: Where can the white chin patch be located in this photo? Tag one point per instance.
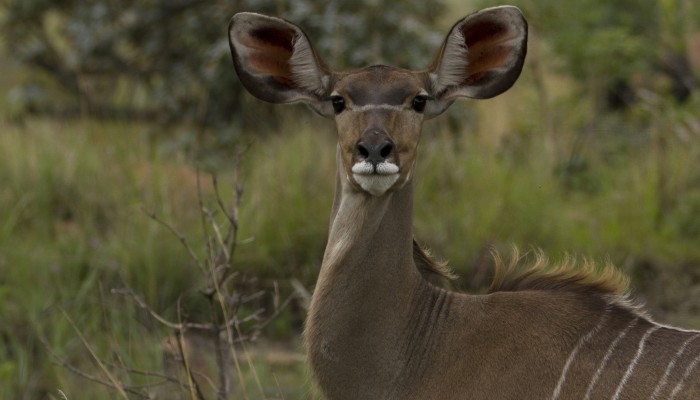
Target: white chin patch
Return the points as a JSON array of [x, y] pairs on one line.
[[375, 181]]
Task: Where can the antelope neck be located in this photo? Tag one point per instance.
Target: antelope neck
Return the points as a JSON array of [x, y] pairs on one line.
[[361, 304], [369, 234]]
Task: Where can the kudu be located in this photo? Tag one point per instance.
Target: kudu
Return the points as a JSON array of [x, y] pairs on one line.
[[376, 329]]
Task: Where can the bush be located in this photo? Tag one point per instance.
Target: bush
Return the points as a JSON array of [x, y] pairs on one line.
[[169, 60]]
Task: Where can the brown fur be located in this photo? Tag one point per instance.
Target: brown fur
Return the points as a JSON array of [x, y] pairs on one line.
[[431, 268], [519, 273], [533, 271]]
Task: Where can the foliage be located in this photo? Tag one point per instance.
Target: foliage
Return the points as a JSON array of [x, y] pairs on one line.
[[598, 38], [74, 233], [615, 47], [72, 217], [353, 34], [169, 60]]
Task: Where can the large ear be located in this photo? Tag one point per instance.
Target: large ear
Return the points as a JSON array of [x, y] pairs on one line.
[[275, 61], [481, 57]]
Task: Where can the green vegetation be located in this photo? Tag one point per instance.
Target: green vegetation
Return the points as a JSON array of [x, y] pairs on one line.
[[547, 165], [170, 58], [73, 221]]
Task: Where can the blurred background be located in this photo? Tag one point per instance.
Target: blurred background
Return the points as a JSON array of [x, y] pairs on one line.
[[109, 108]]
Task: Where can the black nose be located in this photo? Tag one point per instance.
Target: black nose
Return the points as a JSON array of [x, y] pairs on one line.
[[375, 147]]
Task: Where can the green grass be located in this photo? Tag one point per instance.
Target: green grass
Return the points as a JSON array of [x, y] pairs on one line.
[[71, 220], [72, 223], [73, 207], [289, 181]]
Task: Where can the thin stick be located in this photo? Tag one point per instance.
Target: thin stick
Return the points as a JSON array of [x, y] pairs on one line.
[[194, 386], [65, 364], [172, 325], [250, 363], [115, 383], [202, 214], [164, 378], [179, 236], [229, 337]]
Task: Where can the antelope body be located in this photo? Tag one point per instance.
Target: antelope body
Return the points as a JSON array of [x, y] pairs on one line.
[[376, 329]]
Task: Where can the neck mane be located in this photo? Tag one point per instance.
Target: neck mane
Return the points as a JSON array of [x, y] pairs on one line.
[[525, 272]]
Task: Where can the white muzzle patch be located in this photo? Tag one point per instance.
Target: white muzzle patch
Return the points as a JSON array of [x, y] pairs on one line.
[[375, 180]]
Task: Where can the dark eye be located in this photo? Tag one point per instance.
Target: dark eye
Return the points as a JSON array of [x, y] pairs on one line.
[[338, 104], [419, 103]]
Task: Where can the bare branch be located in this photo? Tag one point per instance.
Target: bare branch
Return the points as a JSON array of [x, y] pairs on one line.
[[203, 221], [114, 382], [185, 362], [225, 296], [231, 215], [178, 327], [277, 312], [179, 236], [164, 378]]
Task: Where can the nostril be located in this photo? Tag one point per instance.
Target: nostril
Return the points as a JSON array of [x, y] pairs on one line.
[[386, 149], [363, 150]]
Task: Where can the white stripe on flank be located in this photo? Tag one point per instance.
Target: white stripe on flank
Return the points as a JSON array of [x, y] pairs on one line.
[[687, 373], [584, 339], [664, 380], [368, 107], [606, 358], [675, 328], [635, 360]]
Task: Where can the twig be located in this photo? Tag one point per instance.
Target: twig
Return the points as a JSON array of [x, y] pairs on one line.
[[194, 386], [164, 378], [180, 326], [202, 215], [229, 244], [250, 362], [70, 367], [180, 237], [114, 382], [131, 389], [224, 381], [225, 302], [277, 312], [172, 325], [233, 221], [237, 196], [223, 251]]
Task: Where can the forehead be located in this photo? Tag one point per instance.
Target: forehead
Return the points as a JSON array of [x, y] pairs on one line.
[[379, 84]]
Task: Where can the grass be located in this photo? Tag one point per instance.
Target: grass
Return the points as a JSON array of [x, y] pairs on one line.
[[72, 225], [75, 198]]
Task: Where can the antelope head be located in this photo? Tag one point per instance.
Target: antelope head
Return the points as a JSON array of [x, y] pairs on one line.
[[379, 110]]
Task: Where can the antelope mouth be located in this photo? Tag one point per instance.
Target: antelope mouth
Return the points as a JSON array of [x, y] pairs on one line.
[[377, 178]]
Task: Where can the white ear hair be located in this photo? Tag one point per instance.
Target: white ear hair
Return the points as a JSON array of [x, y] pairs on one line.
[[455, 63], [481, 57], [304, 67], [276, 62]]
